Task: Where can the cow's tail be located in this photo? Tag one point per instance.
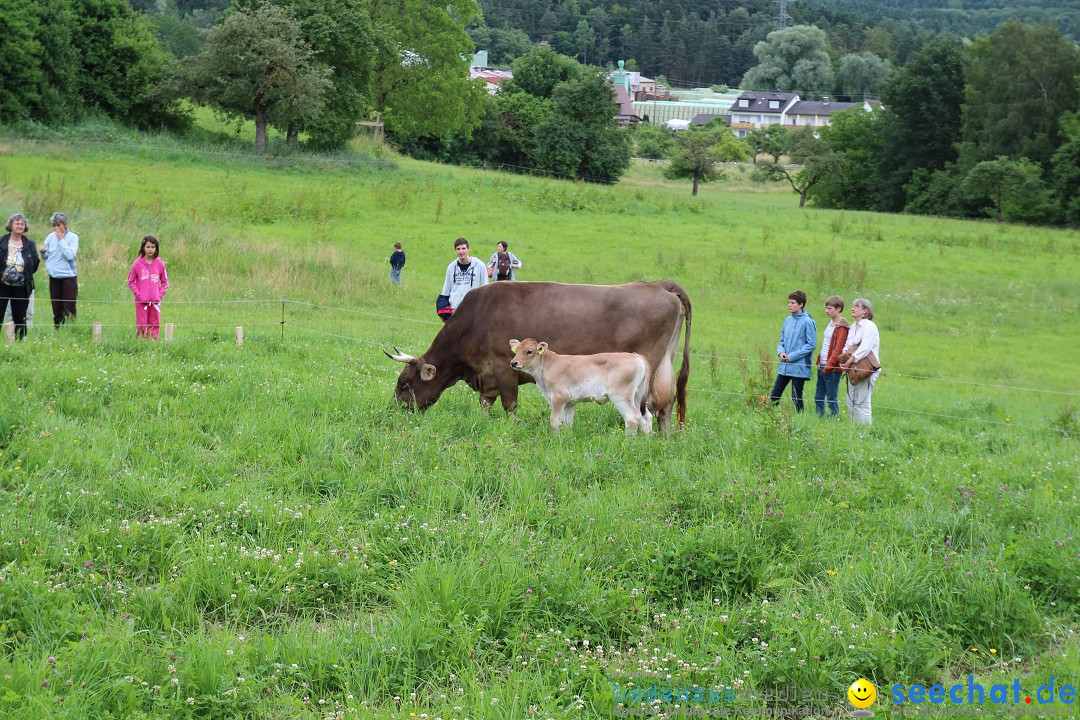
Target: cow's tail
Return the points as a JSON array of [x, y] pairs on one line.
[[684, 372]]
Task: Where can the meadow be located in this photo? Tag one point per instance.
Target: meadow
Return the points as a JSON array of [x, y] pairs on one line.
[[199, 530]]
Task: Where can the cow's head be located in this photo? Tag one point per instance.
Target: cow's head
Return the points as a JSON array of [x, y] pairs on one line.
[[417, 386], [527, 353]]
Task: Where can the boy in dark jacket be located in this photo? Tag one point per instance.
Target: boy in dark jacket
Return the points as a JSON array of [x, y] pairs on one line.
[[397, 261]]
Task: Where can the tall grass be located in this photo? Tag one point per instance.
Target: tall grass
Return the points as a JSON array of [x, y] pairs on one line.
[[199, 530]]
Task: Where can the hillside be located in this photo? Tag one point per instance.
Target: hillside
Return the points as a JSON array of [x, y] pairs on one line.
[[967, 17], [195, 529]]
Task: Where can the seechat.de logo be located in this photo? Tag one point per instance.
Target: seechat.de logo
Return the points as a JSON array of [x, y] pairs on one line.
[[862, 695]]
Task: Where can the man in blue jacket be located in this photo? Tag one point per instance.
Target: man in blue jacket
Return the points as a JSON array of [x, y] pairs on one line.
[[798, 338]]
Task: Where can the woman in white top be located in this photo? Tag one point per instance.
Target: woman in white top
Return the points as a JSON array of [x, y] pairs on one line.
[[863, 340]]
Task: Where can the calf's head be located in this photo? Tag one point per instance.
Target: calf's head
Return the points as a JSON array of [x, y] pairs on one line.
[[527, 353]]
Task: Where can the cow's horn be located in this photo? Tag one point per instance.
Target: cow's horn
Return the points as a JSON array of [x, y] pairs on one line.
[[402, 357]]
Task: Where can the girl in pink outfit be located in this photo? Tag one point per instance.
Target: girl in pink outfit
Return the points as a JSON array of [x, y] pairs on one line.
[[148, 282]]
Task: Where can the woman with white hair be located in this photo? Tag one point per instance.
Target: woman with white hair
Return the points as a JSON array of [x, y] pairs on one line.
[[59, 252], [20, 261], [863, 340]]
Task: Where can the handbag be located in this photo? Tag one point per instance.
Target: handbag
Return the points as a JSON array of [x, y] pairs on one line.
[[862, 369], [12, 277]]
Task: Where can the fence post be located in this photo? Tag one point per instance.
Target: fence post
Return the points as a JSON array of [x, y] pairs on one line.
[[239, 335], [95, 333], [9, 333], [168, 332]]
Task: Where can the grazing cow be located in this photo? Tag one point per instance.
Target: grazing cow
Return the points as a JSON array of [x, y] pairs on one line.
[[641, 317], [566, 380]]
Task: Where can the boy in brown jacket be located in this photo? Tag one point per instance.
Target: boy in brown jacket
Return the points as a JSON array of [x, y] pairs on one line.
[[832, 345]]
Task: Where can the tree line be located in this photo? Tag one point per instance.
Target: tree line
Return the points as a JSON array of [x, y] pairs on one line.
[[703, 42], [311, 69], [991, 128]]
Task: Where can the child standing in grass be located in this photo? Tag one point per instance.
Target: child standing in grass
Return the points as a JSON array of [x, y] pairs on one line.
[[148, 282], [397, 261], [829, 372], [798, 338]]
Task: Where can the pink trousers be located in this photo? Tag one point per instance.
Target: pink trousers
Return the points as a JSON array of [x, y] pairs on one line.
[[147, 319]]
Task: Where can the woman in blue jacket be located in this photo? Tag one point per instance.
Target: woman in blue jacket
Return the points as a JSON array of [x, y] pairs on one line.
[[59, 252], [798, 338]]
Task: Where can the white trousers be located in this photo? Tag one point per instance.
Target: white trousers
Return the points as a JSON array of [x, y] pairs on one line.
[[858, 399]]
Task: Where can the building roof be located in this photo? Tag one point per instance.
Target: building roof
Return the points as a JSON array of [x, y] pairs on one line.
[[626, 108], [492, 76], [706, 118], [819, 107], [759, 101]]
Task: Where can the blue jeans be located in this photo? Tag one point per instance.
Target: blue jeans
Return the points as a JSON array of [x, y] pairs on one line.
[[827, 388], [796, 390], [395, 275]]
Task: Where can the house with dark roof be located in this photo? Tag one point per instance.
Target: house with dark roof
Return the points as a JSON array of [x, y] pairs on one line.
[[815, 113], [755, 110]]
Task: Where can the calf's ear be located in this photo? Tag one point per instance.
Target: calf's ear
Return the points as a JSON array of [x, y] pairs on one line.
[[427, 372], [513, 345], [542, 347]]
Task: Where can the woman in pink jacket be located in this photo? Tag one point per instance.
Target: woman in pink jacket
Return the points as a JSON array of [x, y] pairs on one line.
[[148, 282]]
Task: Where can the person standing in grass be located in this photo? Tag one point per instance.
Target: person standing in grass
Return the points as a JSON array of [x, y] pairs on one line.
[[829, 373], [59, 252], [397, 261], [148, 282], [20, 257], [798, 338], [503, 263], [462, 275], [863, 340]]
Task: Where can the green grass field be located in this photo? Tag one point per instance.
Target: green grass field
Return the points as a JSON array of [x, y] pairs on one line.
[[199, 530]]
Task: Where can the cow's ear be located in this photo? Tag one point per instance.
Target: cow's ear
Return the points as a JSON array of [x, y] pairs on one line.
[[513, 345], [542, 347], [427, 372]]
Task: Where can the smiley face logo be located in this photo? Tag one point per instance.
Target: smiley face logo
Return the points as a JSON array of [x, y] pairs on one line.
[[862, 694]]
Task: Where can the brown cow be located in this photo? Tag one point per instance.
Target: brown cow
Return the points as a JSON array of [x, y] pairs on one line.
[[566, 380], [474, 346]]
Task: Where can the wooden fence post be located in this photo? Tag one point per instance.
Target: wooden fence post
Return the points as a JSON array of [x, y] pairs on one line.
[[239, 335], [9, 332], [168, 332], [95, 333]]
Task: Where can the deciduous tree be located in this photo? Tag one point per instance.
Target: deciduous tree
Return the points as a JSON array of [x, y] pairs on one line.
[[421, 74], [257, 65], [40, 66], [340, 35], [122, 65], [852, 143], [818, 162], [920, 127], [1066, 173], [538, 72], [1009, 182], [697, 151], [792, 59], [580, 138], [861, 75], [1020, 79], [772, 140], [652, 141]]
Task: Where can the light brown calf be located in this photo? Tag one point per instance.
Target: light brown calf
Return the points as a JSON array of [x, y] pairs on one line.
[[565, 380]]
